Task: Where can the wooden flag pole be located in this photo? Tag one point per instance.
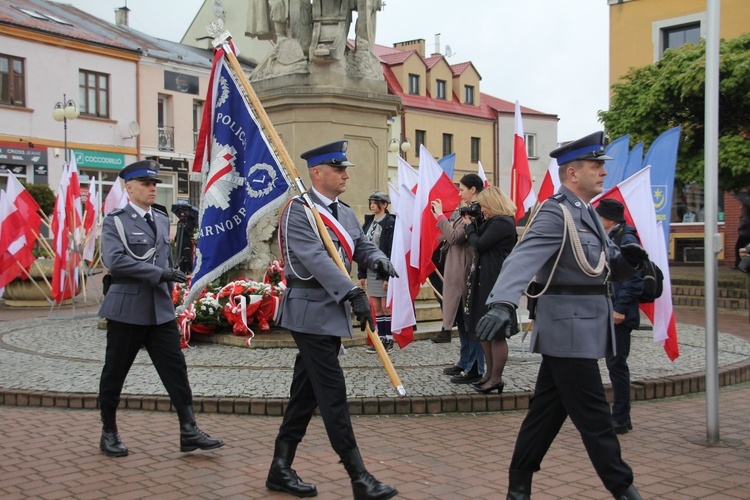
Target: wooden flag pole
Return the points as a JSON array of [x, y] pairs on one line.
[[28, 275], [288, 165]]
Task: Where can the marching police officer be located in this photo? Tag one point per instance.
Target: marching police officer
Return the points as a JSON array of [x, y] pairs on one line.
[[316, 309], [139, 311], [566, 248]]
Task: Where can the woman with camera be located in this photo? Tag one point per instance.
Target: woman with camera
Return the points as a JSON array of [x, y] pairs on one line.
[[492, 233], [457, 255]]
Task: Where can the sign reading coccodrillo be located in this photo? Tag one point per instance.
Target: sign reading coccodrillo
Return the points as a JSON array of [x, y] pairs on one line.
[[99, 159]]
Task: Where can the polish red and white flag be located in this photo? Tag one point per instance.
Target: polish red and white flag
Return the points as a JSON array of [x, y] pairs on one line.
[[521, 185], [482, 175], [64, 270], [433, 184], [27, 206], [116, 198], [91, 226], [635, 194], [551, 181]]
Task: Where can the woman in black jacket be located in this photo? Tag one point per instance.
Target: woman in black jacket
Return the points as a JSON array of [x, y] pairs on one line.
[[493, 240], [378, 228]]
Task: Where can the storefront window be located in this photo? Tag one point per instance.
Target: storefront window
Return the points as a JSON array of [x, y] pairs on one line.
[[688, 203]]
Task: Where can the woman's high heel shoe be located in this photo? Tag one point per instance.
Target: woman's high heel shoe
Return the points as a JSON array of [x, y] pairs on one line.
[[486, 390], [480, 383]]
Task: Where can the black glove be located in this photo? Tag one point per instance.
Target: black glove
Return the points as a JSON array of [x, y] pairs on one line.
[[173, 275], [500, 319], [360, 307], [634, 254], [384, 269]]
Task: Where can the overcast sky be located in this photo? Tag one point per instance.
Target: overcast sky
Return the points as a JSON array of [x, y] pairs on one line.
[[550, 55]]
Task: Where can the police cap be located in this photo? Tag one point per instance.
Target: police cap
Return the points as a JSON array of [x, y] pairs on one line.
[[590, 147], [333, 154], [144, 170]]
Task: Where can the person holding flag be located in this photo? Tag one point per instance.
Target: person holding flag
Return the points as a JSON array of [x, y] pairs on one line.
[[316, 308], [567, 250], [139, 310]]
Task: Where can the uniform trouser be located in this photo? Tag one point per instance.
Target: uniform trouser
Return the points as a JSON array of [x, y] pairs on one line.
[[619, 375], [318, 381], [571, 387], [163, 345]]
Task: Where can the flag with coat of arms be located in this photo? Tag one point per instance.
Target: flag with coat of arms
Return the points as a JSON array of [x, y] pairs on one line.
[[242, 177]]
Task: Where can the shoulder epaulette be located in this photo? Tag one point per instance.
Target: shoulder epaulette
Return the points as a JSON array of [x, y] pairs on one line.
[[161, 212], [117, 211], [347, 206], [558, 197]]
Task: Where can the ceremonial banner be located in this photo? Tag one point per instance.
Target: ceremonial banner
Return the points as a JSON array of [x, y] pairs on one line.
[[242, 178], [618, 150]]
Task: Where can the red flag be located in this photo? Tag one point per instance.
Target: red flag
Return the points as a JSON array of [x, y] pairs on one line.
[[635, 194], [73, 200], [482, 175], [18, 255], [90, 221], [11, 222], [27, 207], [551, 182], [521, 188], [64, 279], [433, 184]]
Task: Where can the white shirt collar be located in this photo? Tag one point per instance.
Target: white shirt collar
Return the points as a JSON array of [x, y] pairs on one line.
[[326, 201], [140, 211]]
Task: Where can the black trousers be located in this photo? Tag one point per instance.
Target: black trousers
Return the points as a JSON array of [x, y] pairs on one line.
[[619, 375], [572, 387], [318, 381], [163, 345]]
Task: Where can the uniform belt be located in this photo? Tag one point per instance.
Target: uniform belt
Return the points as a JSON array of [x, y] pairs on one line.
[[605, 289], [122, 280], [292, 282]]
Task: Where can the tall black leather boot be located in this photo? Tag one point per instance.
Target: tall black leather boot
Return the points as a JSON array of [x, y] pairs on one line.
[[281, 476], [191, 437], [519, 484], [110, 442], [443, 337], [365, 486], [630, 494]]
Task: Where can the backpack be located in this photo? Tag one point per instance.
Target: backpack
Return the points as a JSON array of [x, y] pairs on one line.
[[653, 277]]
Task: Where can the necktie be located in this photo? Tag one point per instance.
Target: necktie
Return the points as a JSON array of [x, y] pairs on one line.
[[150, 222], [334, 207]]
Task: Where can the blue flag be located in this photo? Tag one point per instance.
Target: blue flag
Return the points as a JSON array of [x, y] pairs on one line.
[[662, 157], [618, 150], [242, 179], [448, 164], [635, 161]]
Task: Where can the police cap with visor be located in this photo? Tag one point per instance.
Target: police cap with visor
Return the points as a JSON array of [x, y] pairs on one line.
[[144, 170], [333, 153], [590, 147]]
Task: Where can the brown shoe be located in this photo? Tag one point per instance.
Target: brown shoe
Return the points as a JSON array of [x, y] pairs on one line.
[[443, 337]]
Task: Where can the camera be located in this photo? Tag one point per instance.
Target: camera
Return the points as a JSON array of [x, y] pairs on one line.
[[744, 264], [472, 210]]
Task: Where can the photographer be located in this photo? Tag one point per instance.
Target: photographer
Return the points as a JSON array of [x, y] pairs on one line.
[[457, 255], [492, 233]]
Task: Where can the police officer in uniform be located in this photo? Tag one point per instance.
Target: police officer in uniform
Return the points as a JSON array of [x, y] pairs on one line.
[[316, 308], [566, 249], [139, 311]]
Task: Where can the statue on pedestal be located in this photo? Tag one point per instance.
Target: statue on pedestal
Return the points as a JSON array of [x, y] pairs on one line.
[[312, 37]]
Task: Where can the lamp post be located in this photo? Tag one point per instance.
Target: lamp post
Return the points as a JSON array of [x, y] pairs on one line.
[[65, 110], [405, 146]]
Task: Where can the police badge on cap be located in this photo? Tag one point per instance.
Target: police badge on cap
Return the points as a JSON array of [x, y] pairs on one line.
[[144, 170], [333, 154], [590, 147]]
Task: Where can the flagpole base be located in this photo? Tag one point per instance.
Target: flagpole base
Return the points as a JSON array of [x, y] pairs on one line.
[[401, 391]]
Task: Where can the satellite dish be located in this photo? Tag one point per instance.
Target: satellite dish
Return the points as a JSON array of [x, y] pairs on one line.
[[134, 129], [448, 51]]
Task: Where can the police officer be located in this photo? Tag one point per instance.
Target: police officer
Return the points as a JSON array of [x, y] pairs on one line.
[[139, 311], [566, 248], [316, 309]]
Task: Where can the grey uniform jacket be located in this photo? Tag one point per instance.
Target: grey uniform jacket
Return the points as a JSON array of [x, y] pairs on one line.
[[146, 302], [568, 326], [320, 311]]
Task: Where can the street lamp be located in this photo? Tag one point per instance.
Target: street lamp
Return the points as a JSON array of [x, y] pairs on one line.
[[63, 113]]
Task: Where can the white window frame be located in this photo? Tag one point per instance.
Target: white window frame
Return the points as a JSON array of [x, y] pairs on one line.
[[530, 141], [658, 27]]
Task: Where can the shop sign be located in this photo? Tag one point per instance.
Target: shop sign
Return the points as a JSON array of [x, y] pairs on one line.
[[16, 153], [99, 159]]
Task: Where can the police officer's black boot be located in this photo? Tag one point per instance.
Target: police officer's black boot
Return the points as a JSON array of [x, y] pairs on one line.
[[110, 441], [191, 437], [630, 494], [365, 486], [281, 476], [519, 484]]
